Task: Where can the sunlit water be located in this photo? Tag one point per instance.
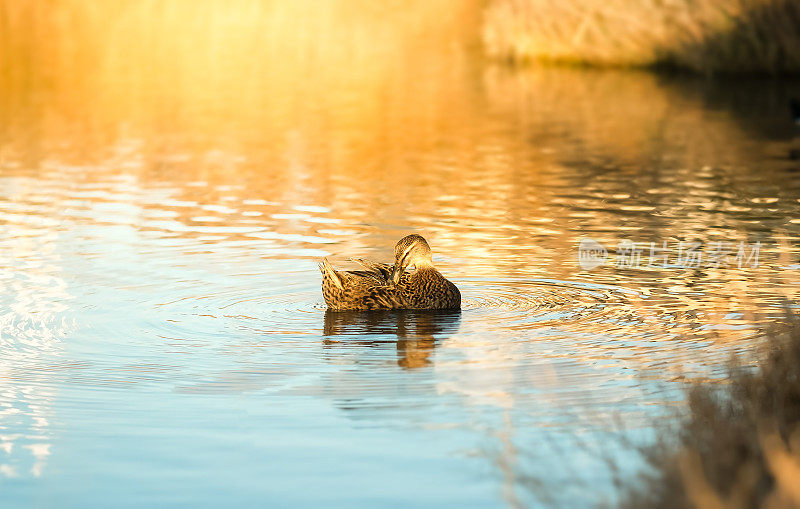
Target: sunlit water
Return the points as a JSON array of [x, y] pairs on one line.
[[163, 335]]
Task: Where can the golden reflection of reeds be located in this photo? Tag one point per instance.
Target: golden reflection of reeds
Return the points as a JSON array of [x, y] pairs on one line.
[[705, 35], [258, 107]]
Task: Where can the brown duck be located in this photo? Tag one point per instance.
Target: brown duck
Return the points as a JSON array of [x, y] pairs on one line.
[[386, 286]]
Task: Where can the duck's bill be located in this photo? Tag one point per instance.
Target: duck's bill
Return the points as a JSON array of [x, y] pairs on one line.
[[396, 273]]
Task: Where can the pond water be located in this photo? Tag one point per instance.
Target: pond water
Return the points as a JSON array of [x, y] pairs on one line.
[[162, 331]]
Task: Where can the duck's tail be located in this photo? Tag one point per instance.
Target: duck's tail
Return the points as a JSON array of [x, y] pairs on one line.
[[329, 273]]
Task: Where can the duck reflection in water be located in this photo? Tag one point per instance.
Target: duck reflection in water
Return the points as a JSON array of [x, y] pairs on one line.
[[416, 331]]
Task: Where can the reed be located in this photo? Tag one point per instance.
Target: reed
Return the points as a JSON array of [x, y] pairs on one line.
[[738, 445], [705, 36]]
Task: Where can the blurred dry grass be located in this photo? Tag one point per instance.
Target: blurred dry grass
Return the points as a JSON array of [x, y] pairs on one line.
[[701, 35], [217, 66], [739, 445], [202, 50]]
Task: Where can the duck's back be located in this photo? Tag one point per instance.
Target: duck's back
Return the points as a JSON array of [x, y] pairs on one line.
[[428, 289], [370, 289]]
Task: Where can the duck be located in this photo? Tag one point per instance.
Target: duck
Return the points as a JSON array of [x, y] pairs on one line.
[[391, 286]]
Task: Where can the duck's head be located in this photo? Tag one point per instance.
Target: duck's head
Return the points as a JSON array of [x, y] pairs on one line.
[[411, 250]]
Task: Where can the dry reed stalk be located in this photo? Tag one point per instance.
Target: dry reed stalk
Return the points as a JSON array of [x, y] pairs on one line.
[[700, 35]]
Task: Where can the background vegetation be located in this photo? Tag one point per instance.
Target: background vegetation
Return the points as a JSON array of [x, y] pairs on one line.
[[705, 36], [739, 443], [700, 35]]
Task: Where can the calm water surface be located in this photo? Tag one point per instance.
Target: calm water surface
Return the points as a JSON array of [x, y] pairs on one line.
[[164, 339]]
